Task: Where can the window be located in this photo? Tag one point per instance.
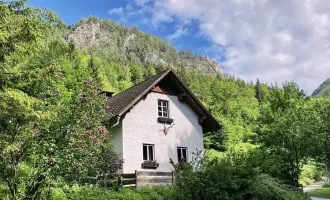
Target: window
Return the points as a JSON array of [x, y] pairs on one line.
[[182, 154], [148, 152], [163, 108]]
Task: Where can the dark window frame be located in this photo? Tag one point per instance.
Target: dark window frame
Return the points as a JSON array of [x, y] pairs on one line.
[[161, 111], [182, 154], [148, 157]]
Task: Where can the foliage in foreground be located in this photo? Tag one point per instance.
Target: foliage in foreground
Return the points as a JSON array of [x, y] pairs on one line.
[[234, 177], [51, 107], [84, 192]]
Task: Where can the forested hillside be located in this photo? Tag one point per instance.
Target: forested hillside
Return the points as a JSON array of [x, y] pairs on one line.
[[130, 46], [323, 90], [51, 135]]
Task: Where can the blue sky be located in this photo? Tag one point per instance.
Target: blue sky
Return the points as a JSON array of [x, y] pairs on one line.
[[72, 11], [275, 41]]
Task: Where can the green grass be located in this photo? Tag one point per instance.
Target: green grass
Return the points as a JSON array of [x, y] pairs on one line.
[[214, 153], [322, 192]]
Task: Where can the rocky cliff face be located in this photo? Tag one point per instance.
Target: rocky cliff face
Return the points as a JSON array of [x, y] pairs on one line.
[[87, 35], [128, 45]]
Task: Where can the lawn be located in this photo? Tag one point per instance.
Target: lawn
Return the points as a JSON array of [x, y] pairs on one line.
[[214, 153], [322, 192]]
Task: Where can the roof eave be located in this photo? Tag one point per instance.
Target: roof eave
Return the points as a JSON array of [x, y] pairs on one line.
[[216, 126]]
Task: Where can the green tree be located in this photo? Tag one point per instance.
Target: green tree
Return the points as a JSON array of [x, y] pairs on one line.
[[321, 148], [17, 123], [234, 105], [259, 93], [287, 130], [51, 107], [137, 74]]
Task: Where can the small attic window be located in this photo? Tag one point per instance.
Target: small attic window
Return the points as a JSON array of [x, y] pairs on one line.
[[163, 108]]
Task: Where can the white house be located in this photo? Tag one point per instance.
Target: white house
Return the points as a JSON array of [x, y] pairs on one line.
[[158, 119]]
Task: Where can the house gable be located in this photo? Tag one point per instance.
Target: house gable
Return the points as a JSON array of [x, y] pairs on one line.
[[166, 82]]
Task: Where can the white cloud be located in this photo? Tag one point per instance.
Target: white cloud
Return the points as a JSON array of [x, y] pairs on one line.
[[274, 40], [179, 32], [161, 17], [142, 2], [116, 11], [124, 14], [129, 7]]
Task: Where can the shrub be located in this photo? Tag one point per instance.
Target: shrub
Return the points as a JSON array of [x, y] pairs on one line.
[[266, 187], [230, 177], [220, 178], [4, 191], [57, 194], [94, 193], [158, 193], [296, 195]]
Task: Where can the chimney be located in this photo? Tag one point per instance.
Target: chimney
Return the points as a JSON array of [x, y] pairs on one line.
[[107, 94]]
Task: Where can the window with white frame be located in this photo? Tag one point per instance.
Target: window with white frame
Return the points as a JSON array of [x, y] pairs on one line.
[[163, 108], [182, 154], [148, 152]]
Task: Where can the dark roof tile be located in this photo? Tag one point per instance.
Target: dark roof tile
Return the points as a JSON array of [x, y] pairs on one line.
[[121, 101]]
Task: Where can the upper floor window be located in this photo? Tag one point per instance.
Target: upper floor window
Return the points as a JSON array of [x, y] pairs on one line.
[[163, 108]]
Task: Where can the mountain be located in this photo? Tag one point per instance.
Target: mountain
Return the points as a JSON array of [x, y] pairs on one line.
[[131, 46], [323, 89]]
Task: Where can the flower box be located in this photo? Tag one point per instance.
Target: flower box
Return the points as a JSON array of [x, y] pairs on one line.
[[165, 120], [150, 164]]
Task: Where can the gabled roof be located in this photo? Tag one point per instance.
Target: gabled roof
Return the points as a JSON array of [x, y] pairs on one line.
[[124, 101]]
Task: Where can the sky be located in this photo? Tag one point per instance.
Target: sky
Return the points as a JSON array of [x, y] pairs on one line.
[[273, 40]]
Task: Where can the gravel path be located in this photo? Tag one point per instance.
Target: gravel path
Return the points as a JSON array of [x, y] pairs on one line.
[[313, 187]]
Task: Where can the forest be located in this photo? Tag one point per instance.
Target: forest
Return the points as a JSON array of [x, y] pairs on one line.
[[274, 137]]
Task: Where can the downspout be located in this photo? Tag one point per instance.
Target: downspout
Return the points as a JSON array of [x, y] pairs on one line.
[[116, 124]]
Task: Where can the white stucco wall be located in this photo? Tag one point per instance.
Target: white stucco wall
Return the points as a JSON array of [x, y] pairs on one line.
[[140, 126]]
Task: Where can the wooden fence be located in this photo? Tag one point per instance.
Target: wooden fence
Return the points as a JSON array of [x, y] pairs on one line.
[[146, 178], [137, 179]]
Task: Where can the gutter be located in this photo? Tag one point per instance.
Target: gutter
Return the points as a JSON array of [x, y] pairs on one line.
[[117, 122]]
